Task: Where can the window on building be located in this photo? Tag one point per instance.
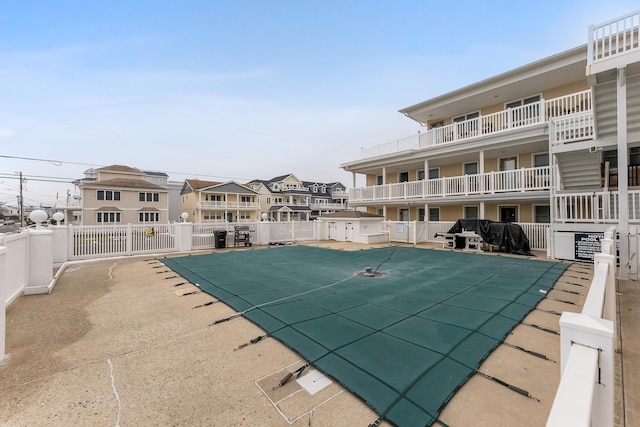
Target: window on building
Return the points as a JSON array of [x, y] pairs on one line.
[[470, 212], [380, 212], [403, 177], [470, 168], [403, 215], [521, 116], [244, 216], [148, 216], [434, 173], [541, 159], [108, 195], [148, 197], [379, 180], [521, 102], [107, 217], [323, 189], [212, 216], [421, 212], [542, 214], [610, 156], [246, 199], [434, 214], [465, 117], [420, 175]]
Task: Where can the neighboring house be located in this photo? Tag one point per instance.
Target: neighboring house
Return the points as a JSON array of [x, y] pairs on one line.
[[286, 198], [546, 142], [118, 194], [326, 197], [174, 188], [208, 201]]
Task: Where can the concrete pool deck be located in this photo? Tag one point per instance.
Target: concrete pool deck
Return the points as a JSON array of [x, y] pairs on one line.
[[116, 343]]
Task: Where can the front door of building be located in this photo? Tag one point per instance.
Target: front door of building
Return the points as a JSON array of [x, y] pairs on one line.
[[507, 167], [508, 213]]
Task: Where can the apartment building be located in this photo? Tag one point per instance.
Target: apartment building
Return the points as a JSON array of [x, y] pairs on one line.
[[554, 142]]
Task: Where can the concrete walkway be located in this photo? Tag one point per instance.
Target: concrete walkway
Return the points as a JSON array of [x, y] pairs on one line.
[[628, 360], [122, 342]]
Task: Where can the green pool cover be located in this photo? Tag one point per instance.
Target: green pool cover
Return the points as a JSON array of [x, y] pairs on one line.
[[404, 342]]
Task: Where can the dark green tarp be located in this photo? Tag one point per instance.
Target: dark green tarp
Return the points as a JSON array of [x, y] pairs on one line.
[[404, 342]]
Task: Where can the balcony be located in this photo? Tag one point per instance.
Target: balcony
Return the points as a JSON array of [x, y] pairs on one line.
[[69, 203], [613, 44], [340, 194], [572, 116], [595, 207], [328, 206], [520, 180], [222, 205]]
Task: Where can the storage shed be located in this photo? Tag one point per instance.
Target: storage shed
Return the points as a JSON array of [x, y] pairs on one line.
[[354, 226]]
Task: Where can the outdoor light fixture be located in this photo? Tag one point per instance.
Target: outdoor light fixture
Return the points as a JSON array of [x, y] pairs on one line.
[[184, 216], [38, 217]]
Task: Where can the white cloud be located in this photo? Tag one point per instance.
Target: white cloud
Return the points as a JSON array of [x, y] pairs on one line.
[[6, 133]]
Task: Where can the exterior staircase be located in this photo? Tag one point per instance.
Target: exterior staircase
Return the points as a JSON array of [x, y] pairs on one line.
[[579, 170]]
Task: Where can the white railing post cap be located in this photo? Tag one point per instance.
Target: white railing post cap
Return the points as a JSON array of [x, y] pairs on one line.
[[585, 323]]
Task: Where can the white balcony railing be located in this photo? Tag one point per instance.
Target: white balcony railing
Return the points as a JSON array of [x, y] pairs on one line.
[[578, 105], [328, 206], [340, 194], [613, 38], [227, 205], [519, 180], [598, 207], [576, 127]]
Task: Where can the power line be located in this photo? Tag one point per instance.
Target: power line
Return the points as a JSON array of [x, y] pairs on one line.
[[61, 162]]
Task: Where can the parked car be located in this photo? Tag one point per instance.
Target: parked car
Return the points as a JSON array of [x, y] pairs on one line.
[[9, 222]]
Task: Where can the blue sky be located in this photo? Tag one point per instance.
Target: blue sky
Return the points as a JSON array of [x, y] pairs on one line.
[[240, 90]]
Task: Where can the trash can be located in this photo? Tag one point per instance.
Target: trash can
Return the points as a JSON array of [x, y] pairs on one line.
[[221, 239]]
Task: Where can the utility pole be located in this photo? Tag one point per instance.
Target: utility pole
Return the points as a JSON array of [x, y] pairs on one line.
[[21, 203]]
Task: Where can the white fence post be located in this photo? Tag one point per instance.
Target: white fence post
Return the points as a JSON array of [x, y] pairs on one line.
[[40, 262], [184, 236], [60, 244], [129, 238], [584, 330], [3, 300], [70, 242]]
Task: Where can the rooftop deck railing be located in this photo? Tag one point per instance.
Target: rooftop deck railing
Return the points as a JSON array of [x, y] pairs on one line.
[[613, 38], [585, 396], [519, 180], [579, 103]]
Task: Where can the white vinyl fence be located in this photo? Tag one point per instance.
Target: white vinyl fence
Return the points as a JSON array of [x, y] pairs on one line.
[[101, 241], [16, 256], [421, 231], [585, 396], [117, 240]]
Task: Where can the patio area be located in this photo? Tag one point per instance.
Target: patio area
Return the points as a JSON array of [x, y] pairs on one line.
[[122, 342]]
